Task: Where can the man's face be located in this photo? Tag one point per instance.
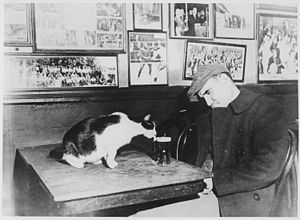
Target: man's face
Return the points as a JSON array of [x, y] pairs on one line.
[[216, 92]]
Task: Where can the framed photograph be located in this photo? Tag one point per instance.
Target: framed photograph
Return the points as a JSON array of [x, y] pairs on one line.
[[17, 24], [147, 58], [191, 20], [59, 72], [277, 47], [147, 16], [79, 27], [200, 53], [233, 21]]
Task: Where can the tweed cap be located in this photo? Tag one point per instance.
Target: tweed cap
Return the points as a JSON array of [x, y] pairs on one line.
[[203, 74]]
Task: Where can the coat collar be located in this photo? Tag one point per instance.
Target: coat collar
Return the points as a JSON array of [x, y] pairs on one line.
[[243, 100]]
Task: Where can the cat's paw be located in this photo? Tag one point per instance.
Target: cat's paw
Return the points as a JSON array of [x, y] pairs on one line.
[[98, 162], [112, 164], [78, 165]]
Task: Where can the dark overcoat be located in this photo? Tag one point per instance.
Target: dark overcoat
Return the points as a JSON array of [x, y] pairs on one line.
[[248, 141]]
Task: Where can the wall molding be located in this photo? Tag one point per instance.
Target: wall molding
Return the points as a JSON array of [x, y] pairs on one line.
[[128, 93]]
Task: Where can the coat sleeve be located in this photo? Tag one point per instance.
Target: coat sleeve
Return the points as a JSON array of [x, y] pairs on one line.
[[268, 147]]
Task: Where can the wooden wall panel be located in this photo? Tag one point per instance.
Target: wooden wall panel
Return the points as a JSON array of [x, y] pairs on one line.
[[290, 105], [7, 118], [8, 157]]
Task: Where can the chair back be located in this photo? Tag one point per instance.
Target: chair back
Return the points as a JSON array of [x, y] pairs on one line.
[[172, 127], [293, 148], [187, 144], [290, 165]]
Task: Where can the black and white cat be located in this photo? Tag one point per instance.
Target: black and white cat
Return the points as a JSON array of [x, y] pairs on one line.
[[92, 139]]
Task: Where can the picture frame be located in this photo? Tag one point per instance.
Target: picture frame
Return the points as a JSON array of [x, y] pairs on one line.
[[287, 7], [200, 53], [100, 28], [277, 47], [17, 24], [47, 73], [147, 58], [147, 16], [233, 21], [191, 21]]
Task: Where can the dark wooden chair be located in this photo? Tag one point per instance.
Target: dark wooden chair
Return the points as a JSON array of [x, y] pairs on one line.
[[187, 138], [172, 127], [290, 168]]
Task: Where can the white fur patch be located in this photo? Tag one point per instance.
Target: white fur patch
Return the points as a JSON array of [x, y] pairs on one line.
[[95, 155], [73, 161], [117, 135]]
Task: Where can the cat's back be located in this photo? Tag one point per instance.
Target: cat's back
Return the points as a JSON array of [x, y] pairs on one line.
[[101, 123], [89, 126]]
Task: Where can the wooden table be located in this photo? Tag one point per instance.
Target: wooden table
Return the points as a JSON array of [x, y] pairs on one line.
[[65, 190]]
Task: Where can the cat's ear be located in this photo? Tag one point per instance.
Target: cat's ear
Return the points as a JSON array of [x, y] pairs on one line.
[[147, 117]]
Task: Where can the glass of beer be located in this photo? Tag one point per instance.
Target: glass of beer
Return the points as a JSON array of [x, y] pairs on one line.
[[162, 153]]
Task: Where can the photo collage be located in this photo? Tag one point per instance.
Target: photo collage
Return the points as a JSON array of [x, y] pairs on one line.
[[102, 31], [60, 26]]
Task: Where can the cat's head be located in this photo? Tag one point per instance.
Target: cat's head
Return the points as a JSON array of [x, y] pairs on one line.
[[149, 127]]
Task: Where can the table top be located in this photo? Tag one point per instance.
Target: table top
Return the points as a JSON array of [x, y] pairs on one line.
[[136, 171]]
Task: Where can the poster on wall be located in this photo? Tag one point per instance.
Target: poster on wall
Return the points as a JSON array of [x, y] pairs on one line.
[[44, 72], [66, 27], [147, 58], [191, 20], [147, 16], [201, 53], [17, 27], [233, 21], [277, 47]]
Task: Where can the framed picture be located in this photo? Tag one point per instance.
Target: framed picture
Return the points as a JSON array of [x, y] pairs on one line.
[[79, 27], [17, 24], [191, 20], [59, 72], [233, 21], [147, 58], [287, 7], [200, 53], [277, 47], [147, 16]]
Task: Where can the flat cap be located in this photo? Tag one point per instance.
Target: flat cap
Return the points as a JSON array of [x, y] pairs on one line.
[[203, 74]]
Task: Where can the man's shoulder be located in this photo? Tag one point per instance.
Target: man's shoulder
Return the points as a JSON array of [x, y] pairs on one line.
[[244, 100], [252, 99], [267, 102], [263, 102]]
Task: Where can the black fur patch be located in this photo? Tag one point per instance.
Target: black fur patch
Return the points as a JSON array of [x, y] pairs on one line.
[[80, 139], [148, 125], [56, 153]]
